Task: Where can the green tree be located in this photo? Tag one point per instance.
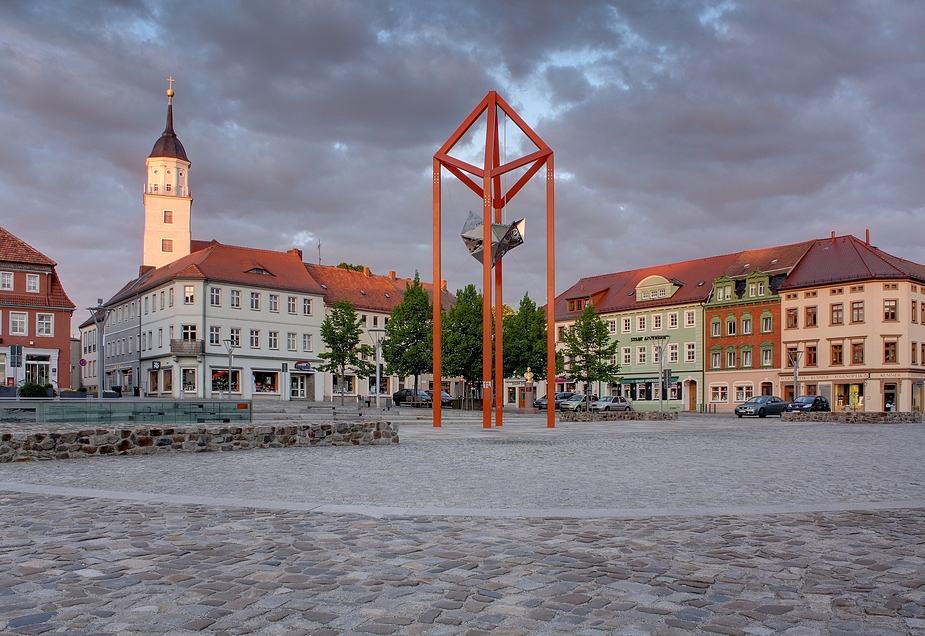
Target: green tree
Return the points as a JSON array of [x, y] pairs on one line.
[[525, 340], [341, 333], [408, 346], [588, 351], [462, 338], [351, 267]]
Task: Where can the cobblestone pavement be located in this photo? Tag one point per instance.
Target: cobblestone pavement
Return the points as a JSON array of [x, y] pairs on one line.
[[704, 526]]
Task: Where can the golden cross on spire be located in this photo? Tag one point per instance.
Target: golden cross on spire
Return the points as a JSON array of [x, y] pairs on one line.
[[170, 90]]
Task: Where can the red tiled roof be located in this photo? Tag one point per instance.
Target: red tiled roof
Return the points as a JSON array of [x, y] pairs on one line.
[[365, 290], [770, 260], [15, 250], [846, 259], [234, 265], [696, 278]]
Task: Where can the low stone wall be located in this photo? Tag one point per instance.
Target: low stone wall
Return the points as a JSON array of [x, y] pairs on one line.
[[68, 442], [854, 417], [609, 416]]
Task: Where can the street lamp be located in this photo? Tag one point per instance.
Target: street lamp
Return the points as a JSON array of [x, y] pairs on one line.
[[662, 385], [377, 334], [795, 355], [99, 315], [230, 346]]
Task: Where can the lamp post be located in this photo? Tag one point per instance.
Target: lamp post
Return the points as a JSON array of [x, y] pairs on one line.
[[230, 346], [662, 385], [99, 315], [795, 356], [377, 334]]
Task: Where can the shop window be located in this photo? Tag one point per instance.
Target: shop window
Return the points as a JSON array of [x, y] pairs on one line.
[[344, 384], [744, 392], [719, 393], [266, 382], [220, 380], [189, 379]]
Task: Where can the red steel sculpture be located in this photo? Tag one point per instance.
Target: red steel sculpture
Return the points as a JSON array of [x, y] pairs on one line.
[[486, 182]]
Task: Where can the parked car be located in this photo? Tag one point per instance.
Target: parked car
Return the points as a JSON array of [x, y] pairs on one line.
[[410, 396], [762, 406], [559, 397], [612, 403], [577, 402], [808, 403], [445, 398]]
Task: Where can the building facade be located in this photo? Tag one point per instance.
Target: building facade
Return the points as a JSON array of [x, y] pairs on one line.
[[35, 317], [854, 323], [743, 326]]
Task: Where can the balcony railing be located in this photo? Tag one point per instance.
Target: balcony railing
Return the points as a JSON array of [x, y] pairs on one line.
[[187, 347], [174, 191]]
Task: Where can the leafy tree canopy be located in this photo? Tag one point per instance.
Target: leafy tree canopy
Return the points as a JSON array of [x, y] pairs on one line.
[[462, 336], [408, 346], [352, 268], [341, 332], [588, 350], [525, 340]]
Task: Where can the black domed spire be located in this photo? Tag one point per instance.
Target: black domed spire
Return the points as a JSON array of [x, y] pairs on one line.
[[168, 145]]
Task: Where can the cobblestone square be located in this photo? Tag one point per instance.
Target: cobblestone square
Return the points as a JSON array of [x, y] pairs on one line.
[[707, 525]]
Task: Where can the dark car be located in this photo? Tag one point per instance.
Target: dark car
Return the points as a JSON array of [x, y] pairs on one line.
[[808, 403], [412, 397], [560, 397], [762, 406], [445, 398]]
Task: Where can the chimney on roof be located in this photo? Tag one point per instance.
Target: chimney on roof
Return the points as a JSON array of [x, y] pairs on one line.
[[392, 274], [833, 236], [366, 272], [443, 285], [867, 236], [295, 251], [144, 269]]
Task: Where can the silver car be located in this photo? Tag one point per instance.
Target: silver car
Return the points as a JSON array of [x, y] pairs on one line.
[[612, 403]]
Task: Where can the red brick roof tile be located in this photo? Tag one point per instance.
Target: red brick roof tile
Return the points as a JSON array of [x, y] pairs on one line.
[[232, 265], [845, 259], [696, 279], [15, 250], [365, 290]]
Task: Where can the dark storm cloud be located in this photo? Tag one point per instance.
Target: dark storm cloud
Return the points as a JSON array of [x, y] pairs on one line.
[[681, 129]]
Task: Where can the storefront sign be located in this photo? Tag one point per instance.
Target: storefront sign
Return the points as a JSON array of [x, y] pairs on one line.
[[810, 377], [303, 365], [641, 338]]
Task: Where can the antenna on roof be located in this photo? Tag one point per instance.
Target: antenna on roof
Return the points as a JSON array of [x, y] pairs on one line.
[[319, 251]]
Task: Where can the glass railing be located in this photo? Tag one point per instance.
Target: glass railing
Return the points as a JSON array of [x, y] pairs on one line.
[[117, 412]]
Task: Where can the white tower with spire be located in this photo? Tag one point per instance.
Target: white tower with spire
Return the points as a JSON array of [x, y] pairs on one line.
[[168, 199]]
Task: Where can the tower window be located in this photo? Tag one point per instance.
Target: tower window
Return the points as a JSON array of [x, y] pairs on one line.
[[166, 245], [153, 187], [168, 216], [167, 187]]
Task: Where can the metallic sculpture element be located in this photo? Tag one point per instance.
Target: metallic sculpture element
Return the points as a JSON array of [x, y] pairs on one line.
[[504, 238]]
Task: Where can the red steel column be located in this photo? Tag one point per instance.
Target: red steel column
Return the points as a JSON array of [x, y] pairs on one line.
[[438, 298], [550, 294], [487, 392]]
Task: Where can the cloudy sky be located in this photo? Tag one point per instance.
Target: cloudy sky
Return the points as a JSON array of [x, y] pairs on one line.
[[680, 129]]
